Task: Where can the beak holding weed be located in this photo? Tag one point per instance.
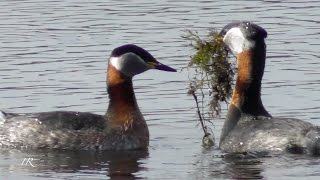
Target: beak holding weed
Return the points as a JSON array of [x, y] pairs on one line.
[[213, 72]]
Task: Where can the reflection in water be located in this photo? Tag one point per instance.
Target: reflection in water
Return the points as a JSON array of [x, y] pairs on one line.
[[125, 165], [248, 165], [211, 164], [116, 165], [245, 168]]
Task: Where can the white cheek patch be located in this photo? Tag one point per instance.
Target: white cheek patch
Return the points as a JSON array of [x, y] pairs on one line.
[[236, 41], [116, 63]]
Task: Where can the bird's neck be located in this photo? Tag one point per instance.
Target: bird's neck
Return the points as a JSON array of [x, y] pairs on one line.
[[247, 93], [123, 109], [246, 98]]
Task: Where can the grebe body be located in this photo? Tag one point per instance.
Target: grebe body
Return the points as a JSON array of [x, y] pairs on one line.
[[248, 126], [123, 127]]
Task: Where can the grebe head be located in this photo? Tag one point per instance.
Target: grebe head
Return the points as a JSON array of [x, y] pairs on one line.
[[246, 41], [132, 60], [242, 36]]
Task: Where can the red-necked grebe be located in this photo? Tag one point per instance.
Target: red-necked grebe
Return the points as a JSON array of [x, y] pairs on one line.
[[248, 126], [121, 128]]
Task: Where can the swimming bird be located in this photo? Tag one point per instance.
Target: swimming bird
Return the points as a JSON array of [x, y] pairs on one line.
[[249, 127], [123, 127]]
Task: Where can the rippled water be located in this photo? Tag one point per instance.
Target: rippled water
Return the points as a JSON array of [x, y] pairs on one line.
[[53, 56]]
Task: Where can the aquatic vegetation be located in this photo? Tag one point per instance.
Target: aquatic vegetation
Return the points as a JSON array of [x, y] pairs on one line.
[[213, 72]]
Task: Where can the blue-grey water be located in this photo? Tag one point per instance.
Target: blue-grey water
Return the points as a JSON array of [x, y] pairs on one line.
[[53, 56]]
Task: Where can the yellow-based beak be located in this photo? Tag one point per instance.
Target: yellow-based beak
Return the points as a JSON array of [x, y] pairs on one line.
[[159, 66]]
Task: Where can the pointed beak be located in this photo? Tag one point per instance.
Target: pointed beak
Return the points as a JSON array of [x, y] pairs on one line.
[[162, 67]]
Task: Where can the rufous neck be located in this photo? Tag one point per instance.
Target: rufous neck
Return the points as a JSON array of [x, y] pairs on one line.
[[123, 106], [120, 87], [247, 93]]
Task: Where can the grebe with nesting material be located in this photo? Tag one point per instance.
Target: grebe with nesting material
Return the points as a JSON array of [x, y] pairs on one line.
[[248, 126]]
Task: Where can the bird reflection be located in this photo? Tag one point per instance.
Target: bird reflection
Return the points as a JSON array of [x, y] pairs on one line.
[[212, 164], [125, 165], [115, 165], [244, 168]]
